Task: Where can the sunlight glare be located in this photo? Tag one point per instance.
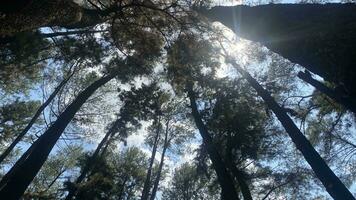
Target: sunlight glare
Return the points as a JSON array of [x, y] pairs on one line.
[[235, 47]]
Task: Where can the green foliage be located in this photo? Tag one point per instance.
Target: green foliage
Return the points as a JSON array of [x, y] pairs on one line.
[[20, 47], [236, 122], [14, 117], [325, 104], [140, 44], [22, 58], [188, 184], [80, 48], [47, 184], [116, 176], [188, 57], [135, 41]]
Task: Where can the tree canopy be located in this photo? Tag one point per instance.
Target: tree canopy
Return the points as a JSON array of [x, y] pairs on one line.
[[137, 99]]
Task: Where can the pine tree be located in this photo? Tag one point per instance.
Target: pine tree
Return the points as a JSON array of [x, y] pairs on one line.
[[331, 182]]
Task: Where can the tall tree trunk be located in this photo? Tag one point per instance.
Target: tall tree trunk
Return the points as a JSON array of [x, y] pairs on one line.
[[34, 118], [21, 176], [338, 96], [107, 144], [228, 191], [122, 189], [43, 13], [147, 184], [319, 37], [239, 176], [331, 182], [67, 33], [158, 176], [72, 192]]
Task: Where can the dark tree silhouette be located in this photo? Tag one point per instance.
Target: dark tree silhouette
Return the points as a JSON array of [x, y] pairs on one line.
[[72, 191], [319, 37], [147, 184], [228, 190], [36, 14], [160, 167], [35, 117], [331, 182], [15, 182], [339, 96]]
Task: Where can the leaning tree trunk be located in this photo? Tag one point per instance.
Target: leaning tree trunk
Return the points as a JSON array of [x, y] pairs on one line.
[[227, 184], [44, 13], [158, 177], [239, 176], [67, 33], [55, 179], [331, 182], [147, 184], [338, 96], [34, 118], [321, 38], [21, 175], [72, 192]]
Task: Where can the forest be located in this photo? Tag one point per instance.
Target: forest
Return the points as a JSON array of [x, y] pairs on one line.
[[177, 100]]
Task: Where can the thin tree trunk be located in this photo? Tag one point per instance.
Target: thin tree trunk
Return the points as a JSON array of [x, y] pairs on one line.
[[274, 188], [116, 124], [88, 166], [107, 144], [158, 177], [339, 97], [34, 118], [20, 177], [331, 182], [228, 191], [147, 184], [57, 34], [122, 189], [55, 180]]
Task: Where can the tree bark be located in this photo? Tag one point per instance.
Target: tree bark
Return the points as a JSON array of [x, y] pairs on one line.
[[331, 182], [34, 118], [228, 191], [147, 184], [319, 37], [43, 13], [21, 176], [339, 97]]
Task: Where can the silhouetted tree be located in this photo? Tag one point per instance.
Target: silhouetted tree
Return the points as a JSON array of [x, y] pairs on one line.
[[331, 182], [300, 33]]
